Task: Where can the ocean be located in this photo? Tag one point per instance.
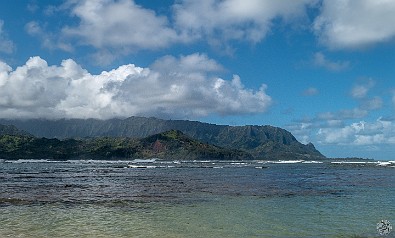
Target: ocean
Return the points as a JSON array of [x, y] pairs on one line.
[[154, 198]]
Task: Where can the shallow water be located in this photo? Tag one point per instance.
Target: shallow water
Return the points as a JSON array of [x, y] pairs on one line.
[[194, 199]]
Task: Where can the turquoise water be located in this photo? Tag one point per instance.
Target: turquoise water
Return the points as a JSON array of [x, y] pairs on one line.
[[194, 199]]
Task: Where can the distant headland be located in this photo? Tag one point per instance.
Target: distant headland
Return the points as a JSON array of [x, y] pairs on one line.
[[141, 137]]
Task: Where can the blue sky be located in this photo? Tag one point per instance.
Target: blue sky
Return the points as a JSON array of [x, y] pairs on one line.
[[323, 70]]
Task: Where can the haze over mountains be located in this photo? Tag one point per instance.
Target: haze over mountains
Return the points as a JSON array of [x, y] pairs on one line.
[[262, 142]]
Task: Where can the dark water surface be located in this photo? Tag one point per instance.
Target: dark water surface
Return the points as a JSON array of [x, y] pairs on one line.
[[194, 199]]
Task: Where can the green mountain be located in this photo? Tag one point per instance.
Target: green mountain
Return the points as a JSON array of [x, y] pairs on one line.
[[167, 145], [29, 147], [262, 142], [11, 130]]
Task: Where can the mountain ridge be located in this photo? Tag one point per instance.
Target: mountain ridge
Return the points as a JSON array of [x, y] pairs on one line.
[[12, 130], [262, 142]]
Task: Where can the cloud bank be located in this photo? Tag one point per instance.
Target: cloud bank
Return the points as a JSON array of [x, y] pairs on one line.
[[350, 127], [353, 24], [339, 132], [227, 20], [184, 87], [115, 28], [360, 133], [123, 27]]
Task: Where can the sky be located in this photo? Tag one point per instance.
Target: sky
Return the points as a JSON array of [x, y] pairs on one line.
[[322, 69]]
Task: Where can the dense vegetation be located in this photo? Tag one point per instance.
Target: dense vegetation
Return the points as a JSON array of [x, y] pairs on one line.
[[168, 145]]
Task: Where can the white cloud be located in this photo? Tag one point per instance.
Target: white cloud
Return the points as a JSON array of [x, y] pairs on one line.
[[6, 45], [361, 133], [121, 25], [372, 104], [48, 40], [187, 64], [354, 24], [248, 20], [311, 91], [32, 7], [33, 28], [182, 87], [332, 128], [320, 60], [301, 131], [352, 113], [343, 114], [336, 135], [361, 90]]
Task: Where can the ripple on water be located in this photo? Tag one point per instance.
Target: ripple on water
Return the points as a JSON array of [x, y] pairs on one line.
[[99, 199]]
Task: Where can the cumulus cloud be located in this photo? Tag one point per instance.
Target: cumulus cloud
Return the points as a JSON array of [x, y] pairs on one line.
[[119, 25], [320, 60], [6, 45], [248, 20], [359, 133], [184, 87], [346, 24]]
